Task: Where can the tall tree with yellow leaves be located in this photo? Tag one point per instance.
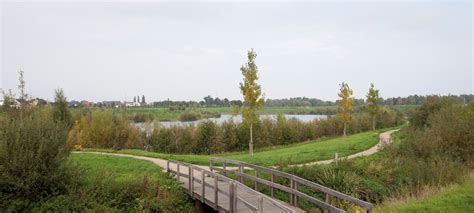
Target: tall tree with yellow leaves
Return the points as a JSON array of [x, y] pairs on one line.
[[373, 100], [345, 105], [252, 93]]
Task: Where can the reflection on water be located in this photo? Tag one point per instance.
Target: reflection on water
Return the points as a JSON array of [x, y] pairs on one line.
[[227, 117]]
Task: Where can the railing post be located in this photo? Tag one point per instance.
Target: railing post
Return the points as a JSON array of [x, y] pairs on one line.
[[177, 173], [369, 210], [241, 171], [328, 201], [190, 173], [235, 195], [231, 197], [273, 189], [216, 192], [292, 197], [256, 182], [210, 165], [203, 190], [225, 171], [260, 204], [168, 166], [191, 181], [295, 199]]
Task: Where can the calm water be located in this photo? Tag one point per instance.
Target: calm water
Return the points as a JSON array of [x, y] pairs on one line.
[[227, 117]]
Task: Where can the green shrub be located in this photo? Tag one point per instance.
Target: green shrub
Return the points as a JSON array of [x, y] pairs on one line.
[[190, 116], [103, 129], [60, 108], [105, 193], [141, 117], [32, 158]]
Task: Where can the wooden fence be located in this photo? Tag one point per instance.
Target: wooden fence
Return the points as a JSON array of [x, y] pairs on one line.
[[220, 192], [292, 190]]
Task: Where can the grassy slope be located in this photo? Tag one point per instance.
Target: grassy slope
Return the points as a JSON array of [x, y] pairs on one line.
[[122, 168], [454, 198], [121, 173], [290, 154]]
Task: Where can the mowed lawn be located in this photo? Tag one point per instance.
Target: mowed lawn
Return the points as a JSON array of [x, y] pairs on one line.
[[322, 149], [454, 198]]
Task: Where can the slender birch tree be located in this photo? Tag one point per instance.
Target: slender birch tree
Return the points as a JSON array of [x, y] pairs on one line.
[[345, 105], [252, 92]]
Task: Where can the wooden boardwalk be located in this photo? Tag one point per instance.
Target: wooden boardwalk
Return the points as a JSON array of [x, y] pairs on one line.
[[222, 193], [228, 195]]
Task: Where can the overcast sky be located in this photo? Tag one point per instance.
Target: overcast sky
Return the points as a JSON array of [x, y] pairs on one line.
[[187, 50]]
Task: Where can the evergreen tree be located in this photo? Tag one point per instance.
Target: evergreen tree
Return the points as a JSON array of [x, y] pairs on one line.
[[60, 110], [373, 100]]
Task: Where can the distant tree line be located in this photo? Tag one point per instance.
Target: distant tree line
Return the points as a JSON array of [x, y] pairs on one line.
[[409, 100], [207, 101], [420, 99]]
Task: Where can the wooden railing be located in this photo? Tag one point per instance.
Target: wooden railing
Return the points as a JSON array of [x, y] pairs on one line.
[[295, 183], [192, 174]]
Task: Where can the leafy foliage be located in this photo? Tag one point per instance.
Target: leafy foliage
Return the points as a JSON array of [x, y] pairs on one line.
[[102, 129], [434, 151], [345, 105], [373, 100], [32, 155], [252, 93], [60, 109]]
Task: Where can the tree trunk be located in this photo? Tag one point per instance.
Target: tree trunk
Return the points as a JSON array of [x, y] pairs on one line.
[[373, 122], [251, 141], [344, 131]]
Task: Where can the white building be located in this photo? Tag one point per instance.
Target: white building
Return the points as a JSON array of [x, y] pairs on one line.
[[132, 104]]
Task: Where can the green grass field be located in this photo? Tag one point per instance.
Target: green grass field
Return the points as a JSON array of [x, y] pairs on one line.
[[290, 154], [122, 168], [454, 198]]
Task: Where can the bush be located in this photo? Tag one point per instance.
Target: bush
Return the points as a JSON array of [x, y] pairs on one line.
[[230, 136], [190, 116], [105, 193], [102, 129], [433, 152], [141, 117], [32, 158]]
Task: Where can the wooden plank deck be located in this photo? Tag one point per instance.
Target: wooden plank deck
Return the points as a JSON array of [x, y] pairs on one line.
[[231, 195]]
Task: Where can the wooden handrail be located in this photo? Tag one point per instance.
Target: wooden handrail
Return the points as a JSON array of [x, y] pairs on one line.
[[232, 192], [295, 182]]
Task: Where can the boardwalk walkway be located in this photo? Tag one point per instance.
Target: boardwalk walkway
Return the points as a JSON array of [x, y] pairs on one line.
[[222, 193], [232, 195]]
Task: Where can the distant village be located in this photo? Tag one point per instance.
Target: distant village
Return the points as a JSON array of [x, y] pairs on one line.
[[137, 102]]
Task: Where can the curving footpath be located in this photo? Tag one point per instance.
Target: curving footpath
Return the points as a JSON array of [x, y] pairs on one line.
[[158, 161], [384, 139]]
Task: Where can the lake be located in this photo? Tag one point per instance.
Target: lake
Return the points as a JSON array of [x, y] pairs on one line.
[[237, 118]]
